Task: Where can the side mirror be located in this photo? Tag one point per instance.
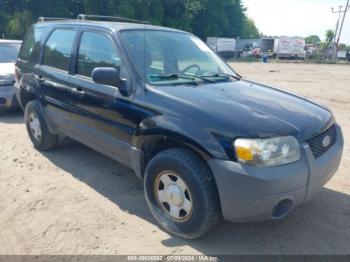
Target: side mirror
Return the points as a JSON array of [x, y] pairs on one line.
[[110, 76], [106, 76]]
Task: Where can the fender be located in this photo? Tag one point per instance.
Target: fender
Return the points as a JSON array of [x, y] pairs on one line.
[[26, 89], [188, 133]]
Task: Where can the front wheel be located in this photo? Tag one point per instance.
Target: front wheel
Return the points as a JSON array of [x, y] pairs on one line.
[[181, 193], [37, 128]]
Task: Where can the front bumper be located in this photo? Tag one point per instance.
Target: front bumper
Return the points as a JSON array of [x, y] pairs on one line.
[[248, 193], [8, 98]]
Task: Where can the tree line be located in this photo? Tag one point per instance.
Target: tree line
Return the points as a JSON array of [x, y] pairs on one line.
[[329, 38], [220, 18]]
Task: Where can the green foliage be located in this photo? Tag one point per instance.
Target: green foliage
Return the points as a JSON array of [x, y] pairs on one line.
[[329, 36], [249, 29], [323, 46], [342, 47], [222, 18], [18, 23], [312, 40], [3, 23]]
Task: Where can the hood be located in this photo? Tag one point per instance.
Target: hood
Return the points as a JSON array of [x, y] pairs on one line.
[[248, 109], [7, 69]]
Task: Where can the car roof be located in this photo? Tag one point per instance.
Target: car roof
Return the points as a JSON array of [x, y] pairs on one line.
[[116, 26], [8, 41]]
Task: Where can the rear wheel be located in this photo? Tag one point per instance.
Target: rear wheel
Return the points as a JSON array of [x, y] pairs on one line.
[[37, 128], [181, 193]]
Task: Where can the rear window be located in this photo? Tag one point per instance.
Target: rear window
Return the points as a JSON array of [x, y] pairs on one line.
[[58, 49], [8, 52], [30, 49]]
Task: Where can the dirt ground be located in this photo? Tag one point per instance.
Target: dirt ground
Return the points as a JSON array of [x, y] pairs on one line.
[[76, 201]]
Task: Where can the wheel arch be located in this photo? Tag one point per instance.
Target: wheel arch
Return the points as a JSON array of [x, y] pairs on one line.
[[151, 145], [27, 90]]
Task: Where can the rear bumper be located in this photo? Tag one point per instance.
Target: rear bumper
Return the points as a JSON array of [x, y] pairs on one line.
[[248, 193], [8, 98]]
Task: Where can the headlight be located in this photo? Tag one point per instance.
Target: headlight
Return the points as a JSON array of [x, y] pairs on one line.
[[6, 80], [267, 152]]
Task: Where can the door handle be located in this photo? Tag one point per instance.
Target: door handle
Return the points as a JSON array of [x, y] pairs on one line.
[[78, 91], [40, 79]]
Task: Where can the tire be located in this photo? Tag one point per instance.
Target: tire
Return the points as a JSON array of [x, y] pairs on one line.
[[37, 128], [185, 166]]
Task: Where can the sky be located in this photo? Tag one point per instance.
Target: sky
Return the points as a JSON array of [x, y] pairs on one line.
[[297, 17]]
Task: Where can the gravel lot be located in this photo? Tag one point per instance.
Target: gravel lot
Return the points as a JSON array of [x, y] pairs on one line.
[[76, 201]]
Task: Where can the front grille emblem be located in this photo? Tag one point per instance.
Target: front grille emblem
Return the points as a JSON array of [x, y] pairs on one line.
[[320, 144], [326, 141]]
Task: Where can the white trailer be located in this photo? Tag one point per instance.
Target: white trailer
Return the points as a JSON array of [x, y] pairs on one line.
[[222, 45], [269, 46], [291, 48], [247, 44]]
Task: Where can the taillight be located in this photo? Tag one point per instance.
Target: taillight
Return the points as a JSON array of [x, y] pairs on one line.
[[16, 74]]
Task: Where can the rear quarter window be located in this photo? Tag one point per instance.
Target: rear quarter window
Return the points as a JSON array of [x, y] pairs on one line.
[[58, 48], [31, 47]]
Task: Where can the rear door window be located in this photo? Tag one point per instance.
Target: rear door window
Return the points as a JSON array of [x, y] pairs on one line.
[[96, 50], [30, 49], [58, 49]]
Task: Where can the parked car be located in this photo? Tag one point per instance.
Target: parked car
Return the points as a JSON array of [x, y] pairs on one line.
[[8, 56], [207, 143]]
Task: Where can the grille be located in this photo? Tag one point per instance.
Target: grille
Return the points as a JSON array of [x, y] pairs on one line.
[[316, 143]]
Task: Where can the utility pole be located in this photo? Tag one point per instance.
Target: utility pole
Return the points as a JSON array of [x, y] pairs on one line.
[[337, 34], [334, 50], [342, 23]]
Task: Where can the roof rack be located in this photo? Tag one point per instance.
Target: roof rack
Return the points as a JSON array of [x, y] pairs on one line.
[[113, 18], [83, 17], [44, 19]]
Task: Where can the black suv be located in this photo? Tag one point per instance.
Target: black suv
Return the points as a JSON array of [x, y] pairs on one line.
[[207, 143]]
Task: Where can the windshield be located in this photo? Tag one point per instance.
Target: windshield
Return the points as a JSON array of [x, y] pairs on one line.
[[9, 52], [164, 57]]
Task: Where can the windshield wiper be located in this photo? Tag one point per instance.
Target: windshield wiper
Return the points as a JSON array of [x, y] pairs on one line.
[[181, 76], [224, 74]]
